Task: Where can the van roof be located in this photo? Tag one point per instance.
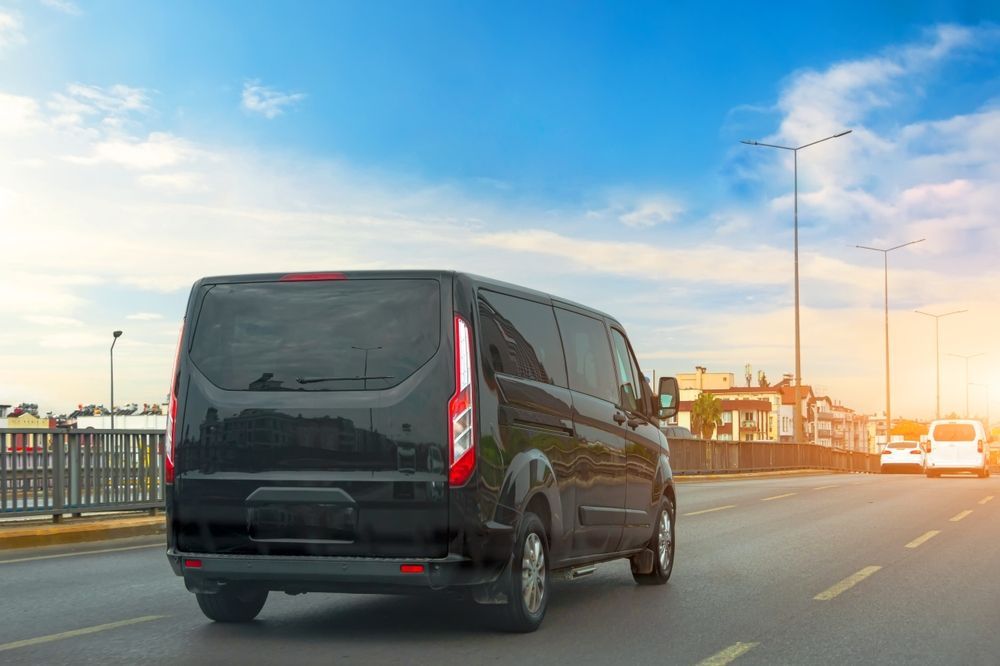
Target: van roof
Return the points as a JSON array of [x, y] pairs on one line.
[[476, 280]]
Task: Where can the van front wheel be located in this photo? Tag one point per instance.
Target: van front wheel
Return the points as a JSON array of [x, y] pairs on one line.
[[232, 605], [662, 545], [528, 586]]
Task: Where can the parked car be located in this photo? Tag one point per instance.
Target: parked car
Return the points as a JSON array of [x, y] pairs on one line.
[[403, 431], [677, 432], [905, 456], [956, 446]]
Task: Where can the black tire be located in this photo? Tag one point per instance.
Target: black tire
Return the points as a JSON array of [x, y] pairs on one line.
[[519, 615], [662, 567], [232, 605]]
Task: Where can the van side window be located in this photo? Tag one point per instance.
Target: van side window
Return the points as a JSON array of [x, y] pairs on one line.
[[519, 337], [628, 375], [589, 364]]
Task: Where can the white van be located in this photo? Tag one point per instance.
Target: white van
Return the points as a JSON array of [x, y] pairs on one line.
[[957, 445]]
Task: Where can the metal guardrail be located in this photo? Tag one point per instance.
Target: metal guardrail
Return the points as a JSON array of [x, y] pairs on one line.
[[700, 456], [57, 472]]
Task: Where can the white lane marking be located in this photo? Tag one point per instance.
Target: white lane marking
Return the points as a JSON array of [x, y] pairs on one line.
[[768, 499], [728, 655], [77, 632], [84, 552], [958, 516], [846, 584], [718, 508], [986, 499], [833, 485], [922, 538]]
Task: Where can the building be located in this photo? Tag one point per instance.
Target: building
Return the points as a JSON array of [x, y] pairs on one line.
[[123, 422]]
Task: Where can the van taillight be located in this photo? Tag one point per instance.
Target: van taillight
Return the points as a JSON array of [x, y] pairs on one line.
[[461, 412], [980, 447], [171, 436]]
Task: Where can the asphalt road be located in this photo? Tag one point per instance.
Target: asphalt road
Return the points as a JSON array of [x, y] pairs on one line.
[[814, 569]]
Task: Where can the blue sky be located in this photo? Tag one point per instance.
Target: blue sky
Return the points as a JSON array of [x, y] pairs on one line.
[[590, 149]]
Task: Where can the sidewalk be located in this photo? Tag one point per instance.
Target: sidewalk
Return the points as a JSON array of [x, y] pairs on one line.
[[689, 478], [43, 532]]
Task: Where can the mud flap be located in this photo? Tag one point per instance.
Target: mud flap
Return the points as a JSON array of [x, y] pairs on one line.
[[642, 563], [495, 593]]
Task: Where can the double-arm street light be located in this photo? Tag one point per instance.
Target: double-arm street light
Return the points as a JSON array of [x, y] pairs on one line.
[[116, 334], [967, 357], [937, 354], [885, 262], [797, 411]]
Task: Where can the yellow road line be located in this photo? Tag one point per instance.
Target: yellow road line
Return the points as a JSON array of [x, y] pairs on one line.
[[846, 584], [958, 516], [768, 499], [718, 508], [83, 552], [986, 499], [825, 487], [728, 655], [77, 632], [922, 538]]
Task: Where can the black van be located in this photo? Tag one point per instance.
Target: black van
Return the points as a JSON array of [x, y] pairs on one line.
[[405, 431]]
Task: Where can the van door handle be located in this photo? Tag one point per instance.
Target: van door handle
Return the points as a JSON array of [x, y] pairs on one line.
[[634, 423], [619, 418]]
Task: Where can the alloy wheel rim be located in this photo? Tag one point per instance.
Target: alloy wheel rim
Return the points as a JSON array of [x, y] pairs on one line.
[[664, 541], [533, 573]]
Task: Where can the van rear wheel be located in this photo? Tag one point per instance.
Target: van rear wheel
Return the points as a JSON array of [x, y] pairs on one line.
[[528, 585], [232, 605]]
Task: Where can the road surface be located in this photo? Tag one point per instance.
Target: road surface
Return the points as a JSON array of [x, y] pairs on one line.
[[827, 569]]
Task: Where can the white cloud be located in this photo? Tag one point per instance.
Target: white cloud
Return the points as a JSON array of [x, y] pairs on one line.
[[18, 114], [65, 6], [112, 107], [52, 320], [180, 181], [145, 316], [157, 151], [268, 102], [10, 30], [650, 212]]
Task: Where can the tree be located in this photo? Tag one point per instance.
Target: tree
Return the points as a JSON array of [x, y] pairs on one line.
[[910, 430], [706, 415]]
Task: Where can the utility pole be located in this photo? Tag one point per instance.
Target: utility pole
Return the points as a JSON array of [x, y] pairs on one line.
[[116, 335], [937, 355]]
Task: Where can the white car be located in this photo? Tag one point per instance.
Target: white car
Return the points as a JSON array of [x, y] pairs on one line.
[[903, 456], [956, 446]]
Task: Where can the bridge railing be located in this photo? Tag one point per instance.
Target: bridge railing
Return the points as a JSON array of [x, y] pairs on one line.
[[702, 456], [57, 471]]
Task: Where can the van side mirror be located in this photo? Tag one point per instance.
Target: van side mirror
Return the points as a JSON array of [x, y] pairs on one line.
[[668, 397]]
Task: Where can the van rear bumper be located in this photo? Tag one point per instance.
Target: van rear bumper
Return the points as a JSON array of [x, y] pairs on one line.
[[329, 574]]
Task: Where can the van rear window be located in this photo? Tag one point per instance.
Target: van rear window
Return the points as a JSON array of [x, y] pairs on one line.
[[336, 335], [954, 432]]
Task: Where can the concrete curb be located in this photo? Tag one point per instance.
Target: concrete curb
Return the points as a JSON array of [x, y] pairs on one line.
[[35, 536], [690, 478]]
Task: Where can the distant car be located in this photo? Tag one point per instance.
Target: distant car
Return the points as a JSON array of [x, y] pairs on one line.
[[677, 432], [956, 446], [903, 456]]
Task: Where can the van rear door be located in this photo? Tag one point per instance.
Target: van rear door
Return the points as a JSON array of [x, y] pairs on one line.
[[313, 417], [955, 444]]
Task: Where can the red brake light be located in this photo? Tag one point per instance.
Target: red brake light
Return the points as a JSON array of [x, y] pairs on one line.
[[980, 447], [171, 436], [192, 564], [915, 452], [311, 277], [411, 568], [461, 410]]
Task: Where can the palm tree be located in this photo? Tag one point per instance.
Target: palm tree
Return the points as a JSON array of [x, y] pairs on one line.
[[706, 415]]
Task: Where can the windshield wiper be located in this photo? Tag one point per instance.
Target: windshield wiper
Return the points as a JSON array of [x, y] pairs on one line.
[[316, 380]]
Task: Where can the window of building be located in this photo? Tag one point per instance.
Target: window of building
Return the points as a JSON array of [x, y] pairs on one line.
[[727, 417]]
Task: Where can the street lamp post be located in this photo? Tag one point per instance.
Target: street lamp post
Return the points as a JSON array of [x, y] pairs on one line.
[[797, 410], [116, 335], [885, 257], [967, 357], [937, 355]]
